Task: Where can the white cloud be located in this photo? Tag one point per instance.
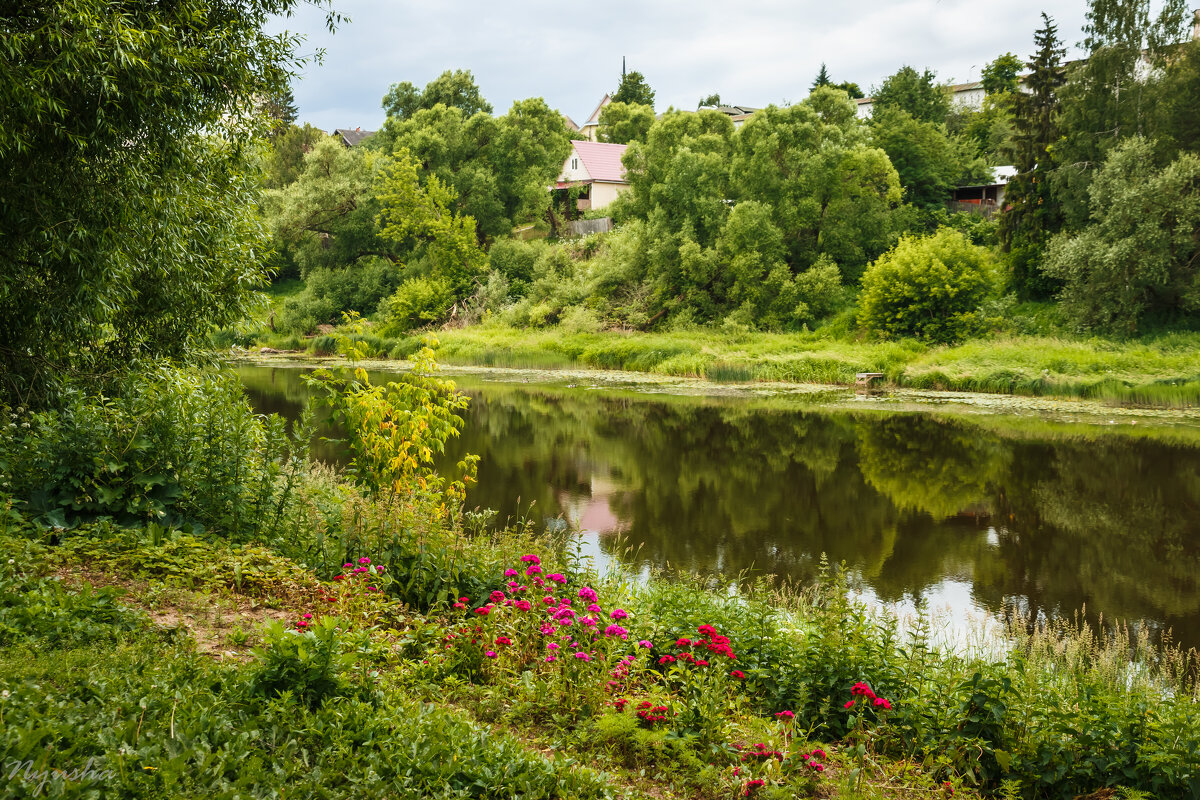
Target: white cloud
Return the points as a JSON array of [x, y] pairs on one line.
[[754, 53]]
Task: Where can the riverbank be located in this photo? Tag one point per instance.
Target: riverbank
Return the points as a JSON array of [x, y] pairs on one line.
[[1156, 372], [434, 664]]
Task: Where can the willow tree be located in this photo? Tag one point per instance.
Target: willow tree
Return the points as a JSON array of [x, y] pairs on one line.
[[127, 209]]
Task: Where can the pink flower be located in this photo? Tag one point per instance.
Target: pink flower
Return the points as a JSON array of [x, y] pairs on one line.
[[619, 613], [497, 596], [595, 609], [849, 704], [460, 605], [347, 566], [484, 610], [512, 584], [549, 659], [503, 640], [531, 559], [490, 654], [464, 599], [553, 646], [556, 577], [616, 630], [364, 560], [523, 605], [884, 703], [548, 629], [591, 623], [534, 569], [583, 656], [667, 660], [372, 589], [587, 593], [301, 624], [379, 567], [786, 715], [306, 616], [548, 600], [645, 643], [510, 573]]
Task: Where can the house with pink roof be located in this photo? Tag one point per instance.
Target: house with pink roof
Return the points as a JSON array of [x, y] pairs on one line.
[[597, 167]]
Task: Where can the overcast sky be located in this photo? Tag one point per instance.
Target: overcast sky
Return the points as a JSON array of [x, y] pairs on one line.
[[753, 52]]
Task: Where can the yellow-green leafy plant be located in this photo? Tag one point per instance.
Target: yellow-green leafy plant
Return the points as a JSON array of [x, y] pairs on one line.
[[396, 430]]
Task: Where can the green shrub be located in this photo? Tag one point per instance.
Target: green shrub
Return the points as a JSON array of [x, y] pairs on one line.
[[329, 292], [515, 259], [418, 302], [931, 288], [324, 345], [308, 665], [175, 447]]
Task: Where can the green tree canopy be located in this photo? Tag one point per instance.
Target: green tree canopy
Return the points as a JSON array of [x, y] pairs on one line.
[[634, 89], [918, 93], [1002, 74], [326, 217], [283, 159], [929, 161], [1140, 254], [1109, 95], [420, 216], [454, 88], [499, 167], [712, 101], [1033, 214], [850, 88], [830, 190], [126, 210], [622, 123]]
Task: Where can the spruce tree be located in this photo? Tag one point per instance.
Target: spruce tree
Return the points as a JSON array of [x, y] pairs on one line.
[[1031, 211], [822, 78]]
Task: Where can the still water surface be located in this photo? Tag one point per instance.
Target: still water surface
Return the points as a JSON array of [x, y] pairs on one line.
[[971, 513]]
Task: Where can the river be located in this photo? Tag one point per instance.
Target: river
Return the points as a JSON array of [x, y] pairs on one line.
[[970, 510]]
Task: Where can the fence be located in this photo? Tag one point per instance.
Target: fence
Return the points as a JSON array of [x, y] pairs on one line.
[[582, 227]]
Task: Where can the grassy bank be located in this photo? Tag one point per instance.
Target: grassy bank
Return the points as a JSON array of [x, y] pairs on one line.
[[1162, 371], [428, 663]]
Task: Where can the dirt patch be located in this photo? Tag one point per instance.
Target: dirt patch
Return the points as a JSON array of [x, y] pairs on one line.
[[224, 626]]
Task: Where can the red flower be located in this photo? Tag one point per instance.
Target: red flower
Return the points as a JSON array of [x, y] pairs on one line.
[[737, 673], [884, 703], [863, 689], [667, 660], [683, 642], [849, 704]]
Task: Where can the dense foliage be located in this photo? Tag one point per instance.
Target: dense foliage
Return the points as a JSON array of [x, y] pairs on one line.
[[931, 288], [128, 210]]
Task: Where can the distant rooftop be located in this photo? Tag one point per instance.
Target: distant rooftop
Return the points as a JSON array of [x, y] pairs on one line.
[[352, 136]]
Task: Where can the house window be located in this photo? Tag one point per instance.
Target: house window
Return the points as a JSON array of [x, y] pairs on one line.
[[574, 163]]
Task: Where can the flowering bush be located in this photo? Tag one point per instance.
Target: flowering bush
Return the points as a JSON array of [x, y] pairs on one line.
[[539, 622]]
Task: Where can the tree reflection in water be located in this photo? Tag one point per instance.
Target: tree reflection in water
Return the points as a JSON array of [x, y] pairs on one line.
[[1055, 517]]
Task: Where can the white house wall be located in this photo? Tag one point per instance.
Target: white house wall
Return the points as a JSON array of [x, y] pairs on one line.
[[605, 193], [573, 169]]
